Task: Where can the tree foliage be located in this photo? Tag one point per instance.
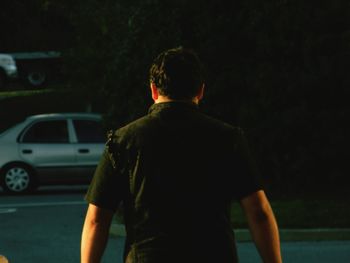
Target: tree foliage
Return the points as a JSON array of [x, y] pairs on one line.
[[33, 26], [277, 68]]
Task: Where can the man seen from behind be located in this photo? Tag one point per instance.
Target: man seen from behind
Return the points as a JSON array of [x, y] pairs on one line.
[[176, 171]]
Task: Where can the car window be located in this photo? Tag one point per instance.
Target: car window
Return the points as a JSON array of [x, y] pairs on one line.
[[47, 132], [89, 131]]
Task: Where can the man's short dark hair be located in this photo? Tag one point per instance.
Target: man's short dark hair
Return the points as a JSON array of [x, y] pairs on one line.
[[177, 73]]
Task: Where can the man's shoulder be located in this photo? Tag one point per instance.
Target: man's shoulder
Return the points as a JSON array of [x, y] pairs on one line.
[[135, 126], [220, 125], [147, 124]]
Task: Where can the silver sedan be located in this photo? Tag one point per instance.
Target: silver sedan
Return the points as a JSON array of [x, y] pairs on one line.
[[62, 148]]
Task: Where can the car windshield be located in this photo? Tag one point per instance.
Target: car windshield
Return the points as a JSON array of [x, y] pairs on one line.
[[2, 133]]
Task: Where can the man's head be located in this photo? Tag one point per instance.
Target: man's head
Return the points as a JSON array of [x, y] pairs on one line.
[[177, 74]]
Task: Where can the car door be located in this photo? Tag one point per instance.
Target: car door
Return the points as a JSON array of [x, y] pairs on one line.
[[89, 144], [46, 146]]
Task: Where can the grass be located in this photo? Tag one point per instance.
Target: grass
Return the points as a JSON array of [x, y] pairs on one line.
[[298, 213], [22, 93]]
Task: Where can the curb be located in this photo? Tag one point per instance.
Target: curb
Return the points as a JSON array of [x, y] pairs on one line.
[[312, 234], [243, 235]]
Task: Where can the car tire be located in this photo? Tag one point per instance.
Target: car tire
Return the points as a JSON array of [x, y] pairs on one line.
[[36, 77], [17, 179]]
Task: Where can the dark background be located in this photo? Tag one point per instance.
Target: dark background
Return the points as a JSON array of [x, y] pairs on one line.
[[278, 68]]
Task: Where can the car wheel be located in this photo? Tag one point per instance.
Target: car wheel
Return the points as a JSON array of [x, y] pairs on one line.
[[36, 77], [17, 179]]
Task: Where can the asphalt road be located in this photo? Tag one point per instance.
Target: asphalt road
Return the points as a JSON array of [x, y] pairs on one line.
[[46, 227]]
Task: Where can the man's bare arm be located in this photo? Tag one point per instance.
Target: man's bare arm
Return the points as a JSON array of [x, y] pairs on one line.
[[263, 226], [95, 234]]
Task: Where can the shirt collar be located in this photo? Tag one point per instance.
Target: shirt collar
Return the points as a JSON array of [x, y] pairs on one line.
[[157, 107]]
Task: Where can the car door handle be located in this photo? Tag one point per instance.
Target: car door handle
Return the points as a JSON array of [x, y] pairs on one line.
[[83, 150], [27, 151]]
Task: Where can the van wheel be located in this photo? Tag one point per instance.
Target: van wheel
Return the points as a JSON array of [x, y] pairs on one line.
[[36, 77], [17, 179]]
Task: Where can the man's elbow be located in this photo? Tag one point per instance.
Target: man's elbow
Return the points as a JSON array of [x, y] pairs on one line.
[[262, 214], [93, 224], [257, 208], [97, 219]]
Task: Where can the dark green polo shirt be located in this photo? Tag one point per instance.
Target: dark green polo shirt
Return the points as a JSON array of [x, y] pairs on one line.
[[176, 172]]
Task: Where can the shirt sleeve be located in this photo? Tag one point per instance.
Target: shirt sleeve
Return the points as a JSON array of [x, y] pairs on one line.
[[106, 188], [249, 179]]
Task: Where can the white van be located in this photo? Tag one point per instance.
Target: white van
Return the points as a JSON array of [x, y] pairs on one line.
[[8, 69]]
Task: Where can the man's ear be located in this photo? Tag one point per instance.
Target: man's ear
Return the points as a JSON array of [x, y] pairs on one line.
[[200, 92], [154, 91]]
